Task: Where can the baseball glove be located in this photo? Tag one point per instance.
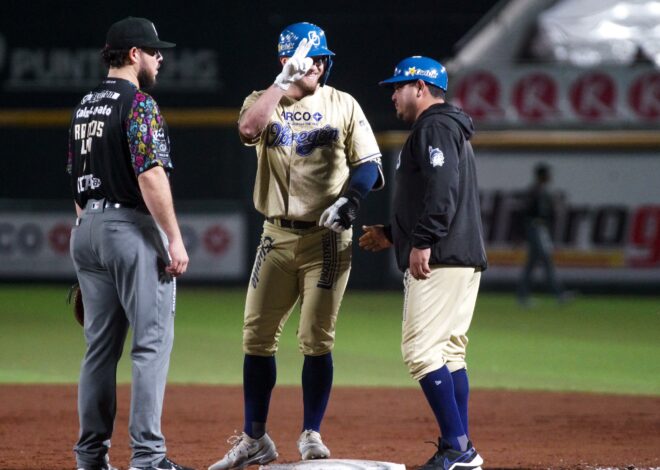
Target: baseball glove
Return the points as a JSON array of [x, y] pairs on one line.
[[75, 300]]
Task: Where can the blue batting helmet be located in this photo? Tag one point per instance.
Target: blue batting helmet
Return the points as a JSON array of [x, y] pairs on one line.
[[291, 36], [419, 68]]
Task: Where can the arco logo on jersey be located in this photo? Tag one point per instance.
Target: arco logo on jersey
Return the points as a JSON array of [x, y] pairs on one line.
[[301, 116], [305, 141]]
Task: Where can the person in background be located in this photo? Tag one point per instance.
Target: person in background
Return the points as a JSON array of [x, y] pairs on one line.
[[538, 219]]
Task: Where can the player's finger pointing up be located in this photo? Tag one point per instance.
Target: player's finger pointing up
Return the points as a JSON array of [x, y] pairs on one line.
[[303, 49]]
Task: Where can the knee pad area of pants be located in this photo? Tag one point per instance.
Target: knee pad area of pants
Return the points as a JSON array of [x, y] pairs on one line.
[[316, 349], [419, 367], [259, 346], [260, 349]]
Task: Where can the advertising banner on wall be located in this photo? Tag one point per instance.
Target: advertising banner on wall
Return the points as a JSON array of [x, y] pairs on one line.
[[555, 96], [607, 214], [606, 227], [36, 245]]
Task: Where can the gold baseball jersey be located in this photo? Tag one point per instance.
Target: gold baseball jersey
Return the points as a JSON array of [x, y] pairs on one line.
[[306, 151]]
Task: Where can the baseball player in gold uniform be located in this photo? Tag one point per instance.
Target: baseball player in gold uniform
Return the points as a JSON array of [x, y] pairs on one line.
[[317, 159]]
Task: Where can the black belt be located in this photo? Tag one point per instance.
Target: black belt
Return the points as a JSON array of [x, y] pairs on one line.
[[294, 224], [94, 204], [116, 205]]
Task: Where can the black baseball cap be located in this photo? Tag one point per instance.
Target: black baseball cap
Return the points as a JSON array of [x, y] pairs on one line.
[[134, 32]]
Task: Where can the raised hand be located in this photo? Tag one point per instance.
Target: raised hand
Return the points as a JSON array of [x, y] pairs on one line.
[[296, 66]]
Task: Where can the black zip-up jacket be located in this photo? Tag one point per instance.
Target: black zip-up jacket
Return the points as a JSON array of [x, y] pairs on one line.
[[436, 199]]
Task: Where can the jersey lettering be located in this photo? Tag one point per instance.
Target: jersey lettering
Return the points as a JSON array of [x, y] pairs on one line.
[[85, 132], [87, 183], [95, 97], [104, 110], [306, 141], [86, 146], [90, 129], [301, 116], [266, 246]]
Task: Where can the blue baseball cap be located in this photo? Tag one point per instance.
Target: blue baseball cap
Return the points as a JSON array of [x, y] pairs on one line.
[[416, 68]]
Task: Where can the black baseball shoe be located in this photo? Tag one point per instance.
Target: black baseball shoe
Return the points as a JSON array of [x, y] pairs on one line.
[[165, 464], [447, 458], [104, 466]]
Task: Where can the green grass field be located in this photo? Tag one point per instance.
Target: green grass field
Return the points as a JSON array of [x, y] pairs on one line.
[[599, 344]]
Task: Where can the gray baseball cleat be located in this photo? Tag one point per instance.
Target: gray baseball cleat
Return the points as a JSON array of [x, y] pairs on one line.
[[247, 451], [311, 446]]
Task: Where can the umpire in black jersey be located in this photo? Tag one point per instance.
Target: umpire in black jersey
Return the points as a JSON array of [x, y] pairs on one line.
[[126, 246]]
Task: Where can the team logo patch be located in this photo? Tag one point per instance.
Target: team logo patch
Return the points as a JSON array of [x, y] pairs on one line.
[[287, 42], [436, 157], [417, 72], [314, 38]]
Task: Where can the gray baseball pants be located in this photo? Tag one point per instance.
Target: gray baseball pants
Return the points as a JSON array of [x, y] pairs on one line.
[[119, 255]]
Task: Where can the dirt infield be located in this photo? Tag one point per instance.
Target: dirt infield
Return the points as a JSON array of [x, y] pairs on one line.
[[512, 430]]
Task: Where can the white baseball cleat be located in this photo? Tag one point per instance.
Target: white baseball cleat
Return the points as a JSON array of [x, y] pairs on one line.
[[311, 446], [246, 451]]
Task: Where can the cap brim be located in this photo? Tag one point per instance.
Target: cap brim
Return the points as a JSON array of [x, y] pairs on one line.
[[320, 52], [159, 44], [400, 78]]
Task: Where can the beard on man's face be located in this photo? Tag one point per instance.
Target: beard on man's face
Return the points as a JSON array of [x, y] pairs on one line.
[[146, 79], [308, 85]]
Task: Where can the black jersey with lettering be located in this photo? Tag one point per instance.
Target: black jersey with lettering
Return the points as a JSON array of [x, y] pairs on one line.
[[116, 133]]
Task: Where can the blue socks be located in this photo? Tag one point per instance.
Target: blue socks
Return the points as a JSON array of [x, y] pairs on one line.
[[317, 376], [259, 375], [461, 393], [438, 386]]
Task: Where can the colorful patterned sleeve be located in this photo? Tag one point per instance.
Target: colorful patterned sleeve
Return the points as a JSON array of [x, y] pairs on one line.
[[148, 140]]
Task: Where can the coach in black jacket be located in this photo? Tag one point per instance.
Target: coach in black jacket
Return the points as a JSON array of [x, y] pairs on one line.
[[436, 201], [438, 238]]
